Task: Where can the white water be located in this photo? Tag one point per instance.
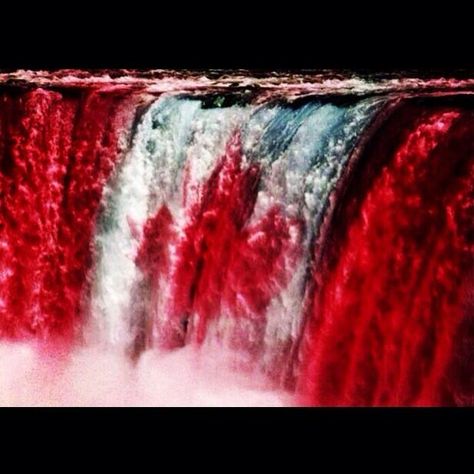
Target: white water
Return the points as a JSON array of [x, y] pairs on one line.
[[174, 150], [98, 377], [172, 134]]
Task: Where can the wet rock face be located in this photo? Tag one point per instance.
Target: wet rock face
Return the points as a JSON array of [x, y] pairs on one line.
[[319, 227]]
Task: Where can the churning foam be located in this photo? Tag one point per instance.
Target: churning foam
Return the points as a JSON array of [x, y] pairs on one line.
[[97, 377]]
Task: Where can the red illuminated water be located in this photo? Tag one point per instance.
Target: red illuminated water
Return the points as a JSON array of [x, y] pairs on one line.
[[393, 288], [56, 152]]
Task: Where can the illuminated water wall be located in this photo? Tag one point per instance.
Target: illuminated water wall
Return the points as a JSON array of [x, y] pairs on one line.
[[319, 228]]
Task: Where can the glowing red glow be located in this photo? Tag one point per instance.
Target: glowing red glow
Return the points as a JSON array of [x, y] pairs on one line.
[[56, 153], [393, 287]]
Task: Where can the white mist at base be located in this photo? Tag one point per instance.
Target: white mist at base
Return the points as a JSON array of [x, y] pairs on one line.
[[95, 377]]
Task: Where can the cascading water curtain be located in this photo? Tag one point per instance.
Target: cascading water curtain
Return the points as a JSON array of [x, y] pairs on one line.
[[182, 239]]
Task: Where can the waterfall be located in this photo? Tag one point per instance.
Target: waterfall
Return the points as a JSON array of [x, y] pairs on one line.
[[314, 234]]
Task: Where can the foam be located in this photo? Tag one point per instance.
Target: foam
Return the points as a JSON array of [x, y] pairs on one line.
[[94, 376]]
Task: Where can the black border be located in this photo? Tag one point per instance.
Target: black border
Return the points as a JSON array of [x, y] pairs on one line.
[[284, 36], [135, 36]]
